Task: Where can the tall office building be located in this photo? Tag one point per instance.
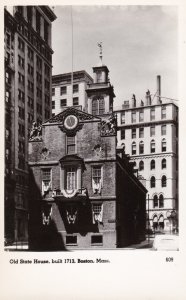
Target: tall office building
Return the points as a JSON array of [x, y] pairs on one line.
[[148, 132], [28, 64], [64, 96]]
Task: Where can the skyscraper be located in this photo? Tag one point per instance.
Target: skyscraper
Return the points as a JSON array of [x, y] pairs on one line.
[[28, 64]]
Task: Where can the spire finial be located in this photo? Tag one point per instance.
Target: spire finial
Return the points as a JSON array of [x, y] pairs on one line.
[[100, 52]]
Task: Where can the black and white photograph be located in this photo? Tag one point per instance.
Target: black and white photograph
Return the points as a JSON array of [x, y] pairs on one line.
[[91, 137]]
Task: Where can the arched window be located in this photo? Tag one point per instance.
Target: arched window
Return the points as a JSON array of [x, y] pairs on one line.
[[163, 145], [152, 146], [141, 165], [133, 148], [152, 182], [155, 222], [123, 145], [164, 181], [161, 222], [161, 201], [155, 201], [152, 164], [163, 163], [98, 106], [141, 147]]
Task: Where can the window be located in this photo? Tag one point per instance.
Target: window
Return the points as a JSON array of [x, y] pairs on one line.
[[30, 54], [163, 112], [63, 90], [161, 201], [71, 239], [97, 211], [152, 131], [133, 133], [7, 97], [96, 174], [38, 20], [152, 164], [98, 106], [163, 130], [46, 30], [75, 101], [152, 146], [53, 104], [71, 144], [133, 148], [53, 91], [141, 165], [163, 163], [133, 117], [46, 180], [152, 114], [141, 147], [153, 182], [123, 118], [141, 132], [71, 178], [122, 133], [163, 145], [155, 201], [63, 102], [141, 115], [29, 14], [99, 76], [75, 88], [21, 45], [96, 239], [164, 181], [8, 40]]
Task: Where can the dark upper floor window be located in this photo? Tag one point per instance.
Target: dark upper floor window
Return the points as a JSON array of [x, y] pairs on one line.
[[98, 106], [38, 22], [133, 117], [141, 147], [133, 133], [164, 181], [53, 91], [122, 133], [75, 101], [141, 132], [133, 148], [141, 165], [123, 117], [29, 14], [155, 201], [63, 90], [152, 164], [152, 146], [163, 145], [71, 144], [63, 102], [163, 130], [163, 163], [141, 115], [153, 182], [46, 30], [161, 201], [53, 104], [75, 88], [152, 131], [152, 114], [163, 112]]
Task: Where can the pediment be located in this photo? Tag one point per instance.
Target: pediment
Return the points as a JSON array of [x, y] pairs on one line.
[[82, 116]]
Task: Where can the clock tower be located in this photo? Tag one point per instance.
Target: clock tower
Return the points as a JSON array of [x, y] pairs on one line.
[[100, 93]]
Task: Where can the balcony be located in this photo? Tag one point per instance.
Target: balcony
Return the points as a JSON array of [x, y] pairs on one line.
[[78, 195]]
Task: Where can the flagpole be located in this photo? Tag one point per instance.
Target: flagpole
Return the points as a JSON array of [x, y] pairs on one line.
[[72, 52]]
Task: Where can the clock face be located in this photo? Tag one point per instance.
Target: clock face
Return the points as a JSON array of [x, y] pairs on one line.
[[71, 122]]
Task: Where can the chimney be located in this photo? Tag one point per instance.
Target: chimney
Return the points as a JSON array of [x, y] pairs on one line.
[[159, 89], [148, 98], [133, 100]]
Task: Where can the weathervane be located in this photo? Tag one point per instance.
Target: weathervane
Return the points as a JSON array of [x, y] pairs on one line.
[[100, 51]]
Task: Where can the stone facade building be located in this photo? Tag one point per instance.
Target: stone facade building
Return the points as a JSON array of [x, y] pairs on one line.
[[148, 132], [83, 191], [28, 64], [62, 94]]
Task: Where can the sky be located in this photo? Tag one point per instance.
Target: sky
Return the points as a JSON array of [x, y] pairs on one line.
[[139, 43]]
